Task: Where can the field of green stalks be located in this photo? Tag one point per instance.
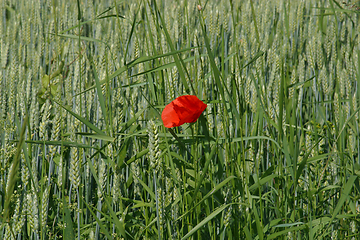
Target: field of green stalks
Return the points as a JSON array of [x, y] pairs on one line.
[[84, 153]]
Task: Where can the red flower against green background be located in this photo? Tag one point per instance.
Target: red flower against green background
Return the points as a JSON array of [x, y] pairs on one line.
[[184, 109]]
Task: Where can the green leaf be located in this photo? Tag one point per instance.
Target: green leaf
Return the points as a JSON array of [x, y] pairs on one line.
[[283, 232], [262, 181], [287, 224], [259, 225], [96, 136], [166, 66], [205, 221], [56, 160], [259, 54], [81, 119], [45, 81], [120, 226], [60, 143], [204, 171], [99, 93], [215, 189], [219, 82], [344, 195], [14, 170], [69, 226], [179, 63], [238, 139], [140, 204], [146, 187], [100, 223], [134, 63]]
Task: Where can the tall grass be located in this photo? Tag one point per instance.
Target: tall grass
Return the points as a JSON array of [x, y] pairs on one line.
[[84, 153]]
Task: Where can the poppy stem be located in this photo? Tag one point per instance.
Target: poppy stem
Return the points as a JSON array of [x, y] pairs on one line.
[[179, 140]]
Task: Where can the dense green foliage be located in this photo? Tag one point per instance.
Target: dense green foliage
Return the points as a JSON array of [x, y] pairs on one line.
[[84, 153]]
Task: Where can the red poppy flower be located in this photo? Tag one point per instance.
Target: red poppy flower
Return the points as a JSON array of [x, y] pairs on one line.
[[184, 109]]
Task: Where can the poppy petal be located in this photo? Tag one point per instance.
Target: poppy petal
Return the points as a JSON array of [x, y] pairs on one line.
[[169, 116], [184, 109]]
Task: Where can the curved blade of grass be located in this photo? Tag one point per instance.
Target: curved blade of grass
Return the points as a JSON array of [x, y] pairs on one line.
[[255, 137], [204, 171], [329, 187], [123, 150], [215, 189], [89, 21], [318, 221], [344, 196], [81, 119], [337, 139], [14, 171], [262, 181], [131, 34], [61, 143], [139, 204], [137, 156], [134, 63], [277, 234], [206, 220], [179, 63], [302, 164], [219, 82], [247, 233], [300, 84], [96, 136], [318, 158], [131, 121], [259, 225], [268, 118], [259, 54], [165, 66], [76, 26], [288, 224], [28, 164], [146, 187], [101, 225], [69, 225], [110, 16], [106, 10], [119, 226], [255, 23], [149, 58], [99, 92], [135, 84]]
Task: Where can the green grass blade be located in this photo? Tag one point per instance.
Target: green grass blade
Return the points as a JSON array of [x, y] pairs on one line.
[[61, 143], [96, 136], [205, 221], [14, 171], [99, 93], [204, 171], [214, 190], [120, 226], [135, 62], [221, 86], [259, 225], [344, 196], [176, 57], [283, 232], [69, 232], [81, 119], [262, 182]]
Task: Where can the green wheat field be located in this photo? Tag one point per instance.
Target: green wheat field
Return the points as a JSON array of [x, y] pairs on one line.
[[84, 153]]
